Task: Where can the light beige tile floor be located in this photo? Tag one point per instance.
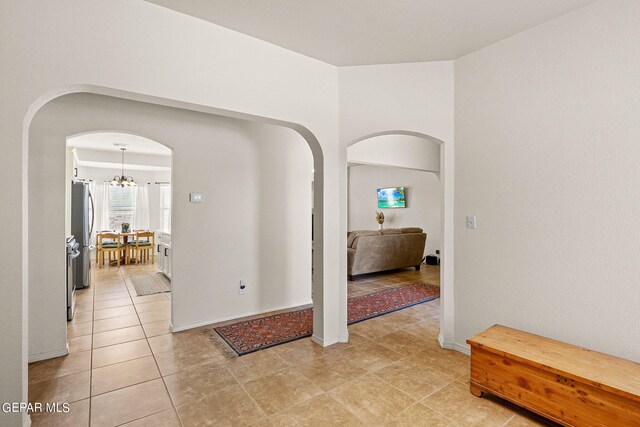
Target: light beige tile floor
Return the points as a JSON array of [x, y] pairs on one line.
[[126, 368]]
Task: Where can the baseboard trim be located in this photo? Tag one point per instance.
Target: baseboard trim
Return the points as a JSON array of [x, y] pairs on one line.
[[344, 337], [441, 341], [462, 348], [324, 342], [49, 354], [173, 328], [316, 339]]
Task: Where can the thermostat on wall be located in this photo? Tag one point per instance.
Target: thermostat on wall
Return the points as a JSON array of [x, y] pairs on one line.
[[196, 197]]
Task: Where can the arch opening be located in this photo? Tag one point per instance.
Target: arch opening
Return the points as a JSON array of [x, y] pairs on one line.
[[95, 159], [416, 156], [32, 129]]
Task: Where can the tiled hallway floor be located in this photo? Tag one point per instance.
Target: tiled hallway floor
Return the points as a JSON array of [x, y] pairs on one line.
[[126, 368]]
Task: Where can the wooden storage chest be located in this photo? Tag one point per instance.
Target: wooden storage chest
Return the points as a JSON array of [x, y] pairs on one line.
[[570, 385]]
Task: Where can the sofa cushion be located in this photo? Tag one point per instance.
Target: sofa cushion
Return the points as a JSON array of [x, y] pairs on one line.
[[411, 230], [391, 231], [356, 233]]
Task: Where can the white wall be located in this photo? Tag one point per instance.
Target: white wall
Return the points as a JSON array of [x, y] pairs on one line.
[[397, 150], [423, 197], [414, 97], [141, 48], [547, 132], [255, 224]]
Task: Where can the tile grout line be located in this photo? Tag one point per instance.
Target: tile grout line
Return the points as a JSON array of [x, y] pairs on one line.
[[419, 402], [249, 394], [153, 354], [123, 279], [173, 406], [95, 282], [509, 419], [434, 392], [123, 342], [367, 373], [308, 379], [415, 401], [268, 418], [328, 392], [124, 361]]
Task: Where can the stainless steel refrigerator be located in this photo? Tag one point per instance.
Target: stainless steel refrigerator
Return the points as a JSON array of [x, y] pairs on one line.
[[82, 218]]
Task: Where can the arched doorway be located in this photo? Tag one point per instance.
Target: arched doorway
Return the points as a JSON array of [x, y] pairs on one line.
[[420, 151], [319, 323], [142, 205]]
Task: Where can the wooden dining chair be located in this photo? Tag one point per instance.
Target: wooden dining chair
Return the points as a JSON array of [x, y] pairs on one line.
[[109, 242], [142, 246]]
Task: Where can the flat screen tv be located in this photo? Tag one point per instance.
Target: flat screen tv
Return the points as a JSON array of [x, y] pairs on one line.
[[392, 197]]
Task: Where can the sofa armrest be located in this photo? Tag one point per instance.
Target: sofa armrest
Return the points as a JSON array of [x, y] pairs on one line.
[[351, 255]]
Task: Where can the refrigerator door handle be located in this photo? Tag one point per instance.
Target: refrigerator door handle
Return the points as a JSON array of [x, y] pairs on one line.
[[93, 213]]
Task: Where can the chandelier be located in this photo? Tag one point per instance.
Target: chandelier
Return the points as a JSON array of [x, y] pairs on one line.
[[122, 180]]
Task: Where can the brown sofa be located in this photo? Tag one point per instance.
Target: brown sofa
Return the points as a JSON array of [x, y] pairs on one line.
[[369, 251]]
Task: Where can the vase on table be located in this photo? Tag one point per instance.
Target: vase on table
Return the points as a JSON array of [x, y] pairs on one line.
[[379, 219]]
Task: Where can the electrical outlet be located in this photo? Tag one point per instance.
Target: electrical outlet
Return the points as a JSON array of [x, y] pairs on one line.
[[243, 286]]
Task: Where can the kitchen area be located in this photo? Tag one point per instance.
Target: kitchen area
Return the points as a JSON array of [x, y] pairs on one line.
[[91, 205], [120, 207]]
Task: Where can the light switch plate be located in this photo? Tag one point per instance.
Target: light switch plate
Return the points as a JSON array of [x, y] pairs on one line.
[[471, 222], [196, 197]]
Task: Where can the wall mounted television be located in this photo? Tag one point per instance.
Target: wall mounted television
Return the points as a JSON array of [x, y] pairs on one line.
[[391, 197]]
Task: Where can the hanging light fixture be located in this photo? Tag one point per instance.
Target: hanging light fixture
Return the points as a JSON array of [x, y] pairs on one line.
[[122, 180]]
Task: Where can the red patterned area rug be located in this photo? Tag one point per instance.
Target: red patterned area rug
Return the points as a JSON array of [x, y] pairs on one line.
[[253, 335]]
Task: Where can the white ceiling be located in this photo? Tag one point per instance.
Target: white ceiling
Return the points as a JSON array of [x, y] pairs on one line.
[[359, 32], [104, 141], [97, 150]]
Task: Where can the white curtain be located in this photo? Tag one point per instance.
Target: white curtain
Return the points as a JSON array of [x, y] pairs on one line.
[[141, 212], [104, 207]]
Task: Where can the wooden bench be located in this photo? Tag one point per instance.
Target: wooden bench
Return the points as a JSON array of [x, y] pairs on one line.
[[570, 385]]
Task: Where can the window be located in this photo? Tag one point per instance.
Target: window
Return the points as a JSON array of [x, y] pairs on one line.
[[121, 206], [165, 207]]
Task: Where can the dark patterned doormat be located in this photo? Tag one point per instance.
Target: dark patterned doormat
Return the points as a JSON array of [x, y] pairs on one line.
[[252, 335]]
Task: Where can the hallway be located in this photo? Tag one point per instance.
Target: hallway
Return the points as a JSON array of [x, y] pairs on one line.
[[123, 356]]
